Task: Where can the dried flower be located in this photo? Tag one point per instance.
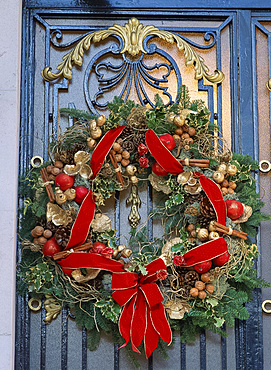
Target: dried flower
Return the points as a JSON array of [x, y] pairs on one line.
[[179, 261], [142, 149], [161, 274], [143, 161]]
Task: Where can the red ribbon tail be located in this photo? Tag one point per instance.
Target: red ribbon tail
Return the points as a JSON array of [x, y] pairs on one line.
[[160, 323], [125, 321], [139, 320], [151, 338]]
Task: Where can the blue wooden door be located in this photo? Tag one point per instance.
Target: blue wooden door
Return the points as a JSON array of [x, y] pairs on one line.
[[236, 41]]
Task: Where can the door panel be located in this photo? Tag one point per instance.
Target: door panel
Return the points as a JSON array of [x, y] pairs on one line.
[[223, 42]]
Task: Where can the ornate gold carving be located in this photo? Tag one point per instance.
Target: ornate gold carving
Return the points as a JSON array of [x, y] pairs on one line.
[[268, 84], [134, 216], [132, 34], [52, 307]]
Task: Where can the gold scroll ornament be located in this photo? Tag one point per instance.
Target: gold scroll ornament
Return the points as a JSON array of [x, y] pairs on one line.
[[133, 34]]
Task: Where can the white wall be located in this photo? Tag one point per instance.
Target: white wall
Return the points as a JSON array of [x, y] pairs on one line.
[[10, 44]]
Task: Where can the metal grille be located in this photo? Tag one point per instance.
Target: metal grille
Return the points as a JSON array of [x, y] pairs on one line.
[[219, 38]]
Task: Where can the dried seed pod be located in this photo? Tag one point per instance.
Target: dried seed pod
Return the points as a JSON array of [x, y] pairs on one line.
[[218, 177], [210, 288], [101, 120], [232, 185], [59, 164], [194, 292], [200, 285], [205, 277], [116, 147], [125, 154], [202, 294], [185, 135], [224, 191], [47, 233]]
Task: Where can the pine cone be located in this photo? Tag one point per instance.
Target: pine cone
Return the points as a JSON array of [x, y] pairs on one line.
[[62, 235], [190, 278], [139, 138], [190, 199], [51, 226], [207, 213], [129, 146], [127, 131]]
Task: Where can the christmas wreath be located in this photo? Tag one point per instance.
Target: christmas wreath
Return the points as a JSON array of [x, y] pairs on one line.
[[197, 275]]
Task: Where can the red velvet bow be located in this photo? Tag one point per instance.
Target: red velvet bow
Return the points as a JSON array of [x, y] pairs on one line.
[[143, 314]]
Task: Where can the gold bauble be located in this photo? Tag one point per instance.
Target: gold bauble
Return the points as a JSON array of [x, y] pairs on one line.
[[179, 121], [203, 235], [92, 124], [134, 179], [213, 235], [212, 226], [231, 169], [170, 117], [218, 177], [183, 177], [91, 143], [101, 120], [222, 168], [96, 133]]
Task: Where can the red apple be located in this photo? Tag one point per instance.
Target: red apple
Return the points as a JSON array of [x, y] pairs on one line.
[[235, 209], [168, 141], [203, 267], [158, 170], [221, 260], [64, 181], [98, 247], [51, 247], [81, 192]]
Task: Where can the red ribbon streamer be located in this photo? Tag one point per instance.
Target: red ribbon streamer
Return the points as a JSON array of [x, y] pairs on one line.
[[143, 314]]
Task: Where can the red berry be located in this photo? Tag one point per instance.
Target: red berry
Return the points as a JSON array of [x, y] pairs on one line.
[[64, 181], [98, 247], [51, 247], [221, 260], [235, 209], [142, 149], [143, 161], [168, 141], [203, 267], [158, 170], [81, 192], [178, 260]]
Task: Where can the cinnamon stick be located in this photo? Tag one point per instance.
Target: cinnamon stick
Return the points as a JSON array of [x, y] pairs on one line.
[[63, 254], [204, 163], [47, 185], [117, 168], [226, 230]]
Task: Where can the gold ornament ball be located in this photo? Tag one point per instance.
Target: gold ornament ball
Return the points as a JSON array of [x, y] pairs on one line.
[[96, 133], [218, 177], [134, 179], [222, 168], [170, 117], [101, 120], [131, 170], [203, 235], [92, 124], [91, 143], [179, 121], [213, 235], [231, 169]]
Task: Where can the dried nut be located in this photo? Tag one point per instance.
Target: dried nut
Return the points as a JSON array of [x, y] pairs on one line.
[[232, 185], [231, 169], [42, 240], [131, 170], [224, 191], [59, 164], [96, 133], [126, 253], [191, 131], [118, 157], [101, 120], [35, 241], [185, 136], [47, 233], [225, 183], [125, 154], [222, 168], [119, 141], [177, 139], [210, 288], [202, 294], [91, 143], [179, 121], [213, 235], [190, 227], [125, 162], [218, 177], [203, 235], [120, 151], [55, 171], [51, 177], [200, 285], [193, 233], [134, 179], [38, 230], [230, 191], [205, 277], [116, 147], [194, 292], [49, 169], [179, 131]]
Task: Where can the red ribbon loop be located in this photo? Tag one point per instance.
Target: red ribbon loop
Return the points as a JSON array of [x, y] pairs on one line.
[[142, 301]]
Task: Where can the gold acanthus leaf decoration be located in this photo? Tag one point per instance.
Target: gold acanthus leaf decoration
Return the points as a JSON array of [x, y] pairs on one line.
[[177, 308], [133, 35], [80, 158], [52, 307], [58, 215]]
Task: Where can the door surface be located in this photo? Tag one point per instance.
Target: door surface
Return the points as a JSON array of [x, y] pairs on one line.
[[235, 41]]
